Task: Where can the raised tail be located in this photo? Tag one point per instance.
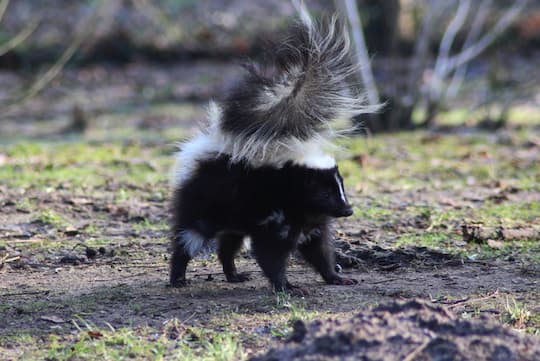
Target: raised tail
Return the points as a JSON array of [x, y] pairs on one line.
[[282, 110], [298, 94]]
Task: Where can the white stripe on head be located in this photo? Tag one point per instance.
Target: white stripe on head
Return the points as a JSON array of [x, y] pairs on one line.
[[340, 187], [191, 241]]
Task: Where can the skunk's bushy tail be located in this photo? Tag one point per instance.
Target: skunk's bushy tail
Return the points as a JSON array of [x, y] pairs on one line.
[[281, 112], [302, 89]]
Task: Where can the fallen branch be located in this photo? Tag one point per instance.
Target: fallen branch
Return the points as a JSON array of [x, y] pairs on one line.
[[26, 293], [479, 233], [412, 356], [469, 301]]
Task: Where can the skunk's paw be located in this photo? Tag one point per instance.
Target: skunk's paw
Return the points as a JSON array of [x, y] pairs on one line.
[[237, 277], [296, 290], [342, 281], [179, 283]]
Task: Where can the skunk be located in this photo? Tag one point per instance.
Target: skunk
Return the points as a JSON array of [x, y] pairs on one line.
[[260, 167]]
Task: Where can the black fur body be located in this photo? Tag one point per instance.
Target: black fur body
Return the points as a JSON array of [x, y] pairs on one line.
[[260, 167], [279, 209]]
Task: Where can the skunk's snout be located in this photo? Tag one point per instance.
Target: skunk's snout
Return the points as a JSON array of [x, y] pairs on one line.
[[348, 211], [345, 211]]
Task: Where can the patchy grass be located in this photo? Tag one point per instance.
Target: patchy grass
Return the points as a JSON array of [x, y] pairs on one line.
[[522, 115], [515, 313], [108, 191], [436, 240], [223, 339], [52, 218], [490, 179], [82, 164]]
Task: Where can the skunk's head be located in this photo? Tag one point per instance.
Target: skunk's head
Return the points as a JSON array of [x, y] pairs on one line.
[[323, 193]]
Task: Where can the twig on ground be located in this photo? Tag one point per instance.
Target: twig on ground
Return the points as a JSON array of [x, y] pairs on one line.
[[412, 356], [385, 281], [469, 301], [25, 293], [7, 259], [31, 240]]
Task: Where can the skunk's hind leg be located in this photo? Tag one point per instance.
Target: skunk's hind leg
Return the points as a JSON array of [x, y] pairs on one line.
[[186, 244], [272, 245], [318, 251], [179, 262], [229, 244], [272, 258]]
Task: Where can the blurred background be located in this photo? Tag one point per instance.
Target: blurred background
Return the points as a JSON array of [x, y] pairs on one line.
[[100, 67]]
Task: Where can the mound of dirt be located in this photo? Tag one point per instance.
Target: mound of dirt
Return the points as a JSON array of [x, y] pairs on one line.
[[387, 259], [412, 330]]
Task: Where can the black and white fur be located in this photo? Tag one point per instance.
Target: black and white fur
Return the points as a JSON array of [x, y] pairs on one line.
[[260, 168]]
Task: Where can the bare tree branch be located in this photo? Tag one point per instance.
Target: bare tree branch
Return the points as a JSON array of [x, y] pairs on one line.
[[19, 38], [474, 50], [476, 26], [436, 83], [159, 17], [55, 69], [421, 49], [3, 6], [351, 11]]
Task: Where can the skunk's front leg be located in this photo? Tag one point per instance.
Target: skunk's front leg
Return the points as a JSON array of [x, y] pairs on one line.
[[318, 250]]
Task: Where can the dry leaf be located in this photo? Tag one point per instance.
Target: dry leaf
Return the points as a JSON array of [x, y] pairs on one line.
[[95, 334], [71, 231], [495, 244], [447, 202]]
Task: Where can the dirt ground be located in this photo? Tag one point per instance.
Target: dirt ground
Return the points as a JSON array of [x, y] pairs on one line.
[[450, 217], [412, 330], [127, 284], [122, 282]]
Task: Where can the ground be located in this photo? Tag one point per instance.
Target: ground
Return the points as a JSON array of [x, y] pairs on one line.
[[449, 216], [406, 330], [452, 218]]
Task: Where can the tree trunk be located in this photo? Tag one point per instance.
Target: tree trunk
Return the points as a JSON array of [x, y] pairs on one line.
[[381, 25]]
